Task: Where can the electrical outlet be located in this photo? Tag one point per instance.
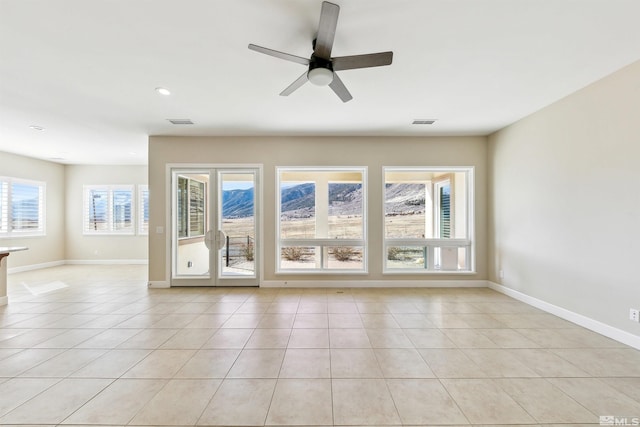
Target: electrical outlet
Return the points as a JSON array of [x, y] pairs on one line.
[[634, 314], [501, 274]]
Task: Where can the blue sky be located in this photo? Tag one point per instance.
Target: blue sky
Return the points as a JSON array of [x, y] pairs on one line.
[[236, 185]]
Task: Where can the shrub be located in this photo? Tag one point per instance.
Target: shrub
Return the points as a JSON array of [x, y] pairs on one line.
[[394, 253], [344, 253], [292, 253], [247, 251]]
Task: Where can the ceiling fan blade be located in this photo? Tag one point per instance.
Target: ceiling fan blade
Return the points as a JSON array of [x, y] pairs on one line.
[[362, 61], [295, 85], [278, 54], [340, 89], [326, 30]]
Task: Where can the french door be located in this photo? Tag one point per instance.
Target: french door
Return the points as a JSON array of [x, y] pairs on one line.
[[215, 235]]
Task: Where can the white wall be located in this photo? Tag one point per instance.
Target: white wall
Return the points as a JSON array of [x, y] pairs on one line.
[[87, 248], [564, 209], [50, 248], [373, 152]]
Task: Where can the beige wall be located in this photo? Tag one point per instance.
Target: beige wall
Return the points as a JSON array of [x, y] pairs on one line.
[[49, 248], [100, 248], [316, 151], [64, 240], [565, 202]]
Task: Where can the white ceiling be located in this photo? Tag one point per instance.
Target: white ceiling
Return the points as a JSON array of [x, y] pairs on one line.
[[86, 70]]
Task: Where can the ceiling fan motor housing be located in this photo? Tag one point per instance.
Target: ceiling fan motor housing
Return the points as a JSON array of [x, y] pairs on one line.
[[320, 71]]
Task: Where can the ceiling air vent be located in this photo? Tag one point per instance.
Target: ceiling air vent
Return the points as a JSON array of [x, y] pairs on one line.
[[181, 121], [423, 122]]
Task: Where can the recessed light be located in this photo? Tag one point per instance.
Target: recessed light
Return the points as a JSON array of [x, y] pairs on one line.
[[133, 153], [423, 121], [34, 127], [181, 121], [163, 91]]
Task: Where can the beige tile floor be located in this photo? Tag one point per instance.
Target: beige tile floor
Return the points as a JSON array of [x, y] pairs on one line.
[[106, 350]]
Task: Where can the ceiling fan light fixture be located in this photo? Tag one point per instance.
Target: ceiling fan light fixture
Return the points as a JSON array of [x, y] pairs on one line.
[[320, 76]]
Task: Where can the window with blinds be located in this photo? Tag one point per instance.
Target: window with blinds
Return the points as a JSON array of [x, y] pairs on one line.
[[22, 208], [108, 209]]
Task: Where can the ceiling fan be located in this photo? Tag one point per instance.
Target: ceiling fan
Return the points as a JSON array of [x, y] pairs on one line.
[[321, 66]]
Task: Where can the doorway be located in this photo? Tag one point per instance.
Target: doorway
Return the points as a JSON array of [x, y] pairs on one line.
[[215, 231]]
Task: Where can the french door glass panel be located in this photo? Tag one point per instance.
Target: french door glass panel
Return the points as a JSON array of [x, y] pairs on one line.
[[191, 221], [237, 221]]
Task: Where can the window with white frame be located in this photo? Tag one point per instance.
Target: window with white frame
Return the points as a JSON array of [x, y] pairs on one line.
[[321, 220], [428, 217], [108, 209], [22, 208], [143, 209]]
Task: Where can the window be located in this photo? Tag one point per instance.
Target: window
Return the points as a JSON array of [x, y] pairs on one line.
[[143, 209], [191, 207], [321, 220], [22, 208], [108, 209], [427, 220]]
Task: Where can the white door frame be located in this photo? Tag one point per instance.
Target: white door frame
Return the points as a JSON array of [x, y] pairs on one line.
[[215, 278]]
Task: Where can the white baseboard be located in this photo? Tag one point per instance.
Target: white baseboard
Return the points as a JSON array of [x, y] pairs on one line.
[[159, 284], [35, 266], [373, 284], [106, 262], [584, 321]]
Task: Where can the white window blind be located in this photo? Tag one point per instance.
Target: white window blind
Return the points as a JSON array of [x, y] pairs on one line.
[[4, 207], [143, 209], [443, 212], [108, 209], [192, 199], [22, 208]]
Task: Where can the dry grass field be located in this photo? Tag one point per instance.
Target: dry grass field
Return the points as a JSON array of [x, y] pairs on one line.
[[350, 227], [405, 226], [239, 227], [343, 227]]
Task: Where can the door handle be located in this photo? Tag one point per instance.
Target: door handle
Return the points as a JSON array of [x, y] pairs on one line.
[[222, 239], [208, 239]]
